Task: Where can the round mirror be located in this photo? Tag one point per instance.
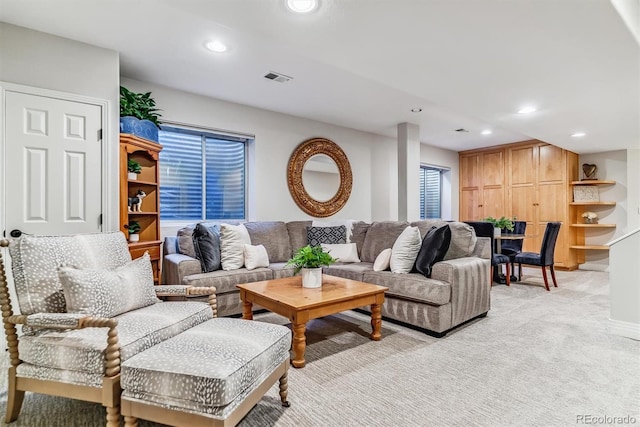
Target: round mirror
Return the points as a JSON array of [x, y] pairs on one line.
[[319, 177]]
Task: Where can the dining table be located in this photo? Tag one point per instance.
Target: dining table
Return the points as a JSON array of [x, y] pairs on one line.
[[497, 275]]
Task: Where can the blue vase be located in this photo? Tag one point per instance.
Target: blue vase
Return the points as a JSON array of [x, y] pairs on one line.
[[143, 128]]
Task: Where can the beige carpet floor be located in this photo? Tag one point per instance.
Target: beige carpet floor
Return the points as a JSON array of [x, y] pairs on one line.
[[538, 359]]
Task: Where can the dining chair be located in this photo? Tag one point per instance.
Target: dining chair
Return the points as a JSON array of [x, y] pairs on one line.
[[485, 229], [543, 259], [511, 248]]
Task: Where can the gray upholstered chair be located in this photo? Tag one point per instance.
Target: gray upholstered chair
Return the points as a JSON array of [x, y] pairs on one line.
[[78, 354]]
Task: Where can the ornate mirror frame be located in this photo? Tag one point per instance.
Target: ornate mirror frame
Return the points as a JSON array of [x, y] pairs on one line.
[[304, 152]]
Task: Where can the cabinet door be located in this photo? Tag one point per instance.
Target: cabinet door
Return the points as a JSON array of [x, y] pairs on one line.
[[523, 208], [493, 184], [492, 202], [470, 171], [551, 164], [523, 162], [470, 209]]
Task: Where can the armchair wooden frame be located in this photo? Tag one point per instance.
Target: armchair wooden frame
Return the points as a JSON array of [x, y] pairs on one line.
[[108, 395]]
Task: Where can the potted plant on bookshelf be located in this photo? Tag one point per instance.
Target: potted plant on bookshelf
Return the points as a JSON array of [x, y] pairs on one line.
[[310, 260], [133, 169], [133, 228], [503, 223], [138, 114]]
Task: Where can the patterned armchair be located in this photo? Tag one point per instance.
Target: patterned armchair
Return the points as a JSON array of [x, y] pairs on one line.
[[85, 308]]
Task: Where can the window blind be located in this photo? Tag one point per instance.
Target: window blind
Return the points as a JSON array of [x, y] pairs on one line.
[[430, 192]]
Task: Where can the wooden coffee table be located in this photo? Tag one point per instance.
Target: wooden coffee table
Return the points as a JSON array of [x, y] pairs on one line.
[[288, 298]]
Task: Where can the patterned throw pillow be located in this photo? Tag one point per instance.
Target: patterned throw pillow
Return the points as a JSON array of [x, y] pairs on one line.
[[107, 293], [330, 235]]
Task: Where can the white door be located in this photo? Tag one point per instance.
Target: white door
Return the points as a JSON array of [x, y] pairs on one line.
[[53, 166]]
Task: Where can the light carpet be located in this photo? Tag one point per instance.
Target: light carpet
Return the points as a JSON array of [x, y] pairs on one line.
[[538, 359]]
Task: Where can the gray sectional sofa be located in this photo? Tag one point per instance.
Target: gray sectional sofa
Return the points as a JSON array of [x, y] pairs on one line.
[[458, 290]]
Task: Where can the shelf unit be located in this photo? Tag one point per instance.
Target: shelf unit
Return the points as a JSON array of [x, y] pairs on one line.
[[146, 153], [582, 227]]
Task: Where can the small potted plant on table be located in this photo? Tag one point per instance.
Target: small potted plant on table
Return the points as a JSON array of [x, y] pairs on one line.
[[133, 228], [503, 223], [310, 260]]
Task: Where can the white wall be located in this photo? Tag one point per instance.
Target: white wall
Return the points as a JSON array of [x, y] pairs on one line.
[[434, 156], [276, 136], [612, 165], [36, 59]]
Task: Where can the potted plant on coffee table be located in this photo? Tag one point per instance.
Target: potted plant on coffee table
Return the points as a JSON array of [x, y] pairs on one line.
[[133, 228], [138, 114], [503, 223], [310, 260]]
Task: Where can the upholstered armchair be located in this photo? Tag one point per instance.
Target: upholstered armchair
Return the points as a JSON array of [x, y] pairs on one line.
[[85, 308]]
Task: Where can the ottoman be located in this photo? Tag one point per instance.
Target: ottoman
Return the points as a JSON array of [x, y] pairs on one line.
[[209, 375]]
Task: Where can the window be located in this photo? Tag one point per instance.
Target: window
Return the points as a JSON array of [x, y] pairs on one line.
[[430, 192], [202, 175]]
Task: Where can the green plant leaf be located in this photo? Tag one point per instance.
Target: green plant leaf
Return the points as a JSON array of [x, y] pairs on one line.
[[310, 257]]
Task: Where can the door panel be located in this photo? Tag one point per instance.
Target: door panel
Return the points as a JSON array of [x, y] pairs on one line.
[[493, 202], [469, 201], [522, 162], [522, 207], [470, 168], [551, 165], [54, 165], [493, 169]]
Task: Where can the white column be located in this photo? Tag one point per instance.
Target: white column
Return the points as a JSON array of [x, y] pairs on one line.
[[408, 172]]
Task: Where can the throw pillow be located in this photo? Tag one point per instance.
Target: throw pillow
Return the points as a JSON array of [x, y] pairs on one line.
[[330, 235], [348, 223], [346, 252], [405, 250], [185, 241], [434, 247], [107, 293], [232, 241], [255, 256], [206, 243], [382, 261]]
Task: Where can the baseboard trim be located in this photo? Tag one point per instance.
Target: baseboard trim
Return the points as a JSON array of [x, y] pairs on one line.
[[625, 329], [592, 266]]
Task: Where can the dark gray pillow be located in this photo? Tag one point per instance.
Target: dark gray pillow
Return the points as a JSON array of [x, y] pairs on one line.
[[434, 246], [206, 243], [328, 235]]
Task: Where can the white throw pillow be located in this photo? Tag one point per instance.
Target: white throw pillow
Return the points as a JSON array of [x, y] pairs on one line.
[[383, 260], [107, 293], [255, 256], [405, 250], [348, 223], [347, 252], [232, 241]]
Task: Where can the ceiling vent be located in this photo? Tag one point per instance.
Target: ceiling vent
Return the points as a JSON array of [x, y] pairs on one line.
[[277, 77], [461, 130]]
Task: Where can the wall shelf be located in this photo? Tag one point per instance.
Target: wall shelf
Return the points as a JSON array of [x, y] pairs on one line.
[[137, 181], [591, 247], [593, 203], [593, 182], [594, 225]]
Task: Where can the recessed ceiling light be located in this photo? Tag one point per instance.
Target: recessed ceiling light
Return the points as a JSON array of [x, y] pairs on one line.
[[578, 134], [216, 46], [487, 132], [302, 6], [416, 110], [527, 110]]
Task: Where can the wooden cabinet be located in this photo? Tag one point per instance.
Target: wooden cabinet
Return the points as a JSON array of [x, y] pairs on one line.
[[481, 185], [578, 223], [146, 153], [528, 180]]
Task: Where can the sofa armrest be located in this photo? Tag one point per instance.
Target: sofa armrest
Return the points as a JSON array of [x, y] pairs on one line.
[[55, 320], [470, 286], [176, 266], [189, 291], [483, 248]]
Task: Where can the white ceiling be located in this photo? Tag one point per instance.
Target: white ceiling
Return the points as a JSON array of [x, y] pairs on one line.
[[365, 63]]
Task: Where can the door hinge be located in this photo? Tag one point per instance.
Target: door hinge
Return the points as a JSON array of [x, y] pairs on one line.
[[99, 134], [100, 219]]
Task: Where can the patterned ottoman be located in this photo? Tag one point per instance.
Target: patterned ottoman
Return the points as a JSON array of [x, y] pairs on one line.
[[209, 375]]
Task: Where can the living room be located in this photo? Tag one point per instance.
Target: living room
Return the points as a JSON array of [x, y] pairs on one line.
[[38, 53]]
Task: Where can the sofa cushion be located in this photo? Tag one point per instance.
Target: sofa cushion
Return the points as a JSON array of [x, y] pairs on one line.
[[281, 270], [274, 236], [463, 237], [255, 256], [138, 330], [185, 240], [225, 357], [330, 235], [353, 271], [225, 281], [380, 236], [412, 286], [346, 252], [232, 241], [298, 234], [383, 260], [434, 246], [107, 293], [206, 243], [35, 262], [358, 234], [405, 250]]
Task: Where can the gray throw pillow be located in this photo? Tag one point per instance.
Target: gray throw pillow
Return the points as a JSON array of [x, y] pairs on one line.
[[329, 235], [206, 244]]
